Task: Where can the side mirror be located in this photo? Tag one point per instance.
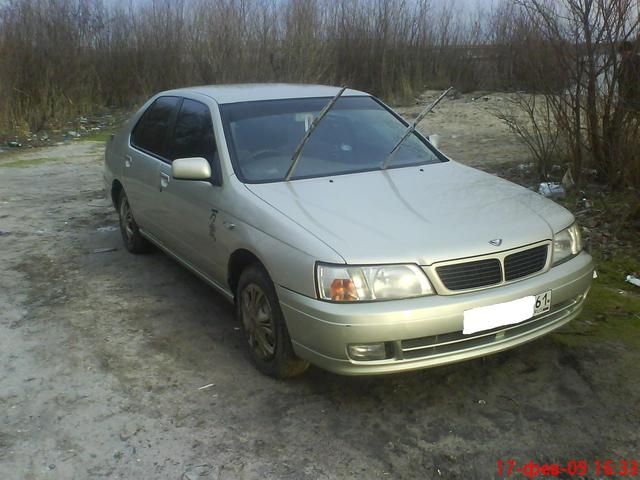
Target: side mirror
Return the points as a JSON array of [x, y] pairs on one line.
[[196, 168], [434, 140]]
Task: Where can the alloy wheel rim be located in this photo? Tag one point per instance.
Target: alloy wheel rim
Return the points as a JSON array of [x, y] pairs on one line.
[[257, 320]]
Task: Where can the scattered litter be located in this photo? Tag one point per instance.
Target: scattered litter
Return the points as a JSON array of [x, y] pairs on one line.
[[128, 430], [567, 179], [4, 233], [73, 133], [104, 250], [584, 202], [14, 144], [208, 385], [633, 280], [198, 471], [595, 274], [482, 402], [99, 202], [236, 328], [551, 190], [107, 228]]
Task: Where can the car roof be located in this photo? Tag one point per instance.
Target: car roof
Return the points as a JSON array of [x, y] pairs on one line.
[[250, 92]]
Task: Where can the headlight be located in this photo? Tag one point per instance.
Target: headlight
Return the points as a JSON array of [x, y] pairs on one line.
[[342, 283], [567, 244]]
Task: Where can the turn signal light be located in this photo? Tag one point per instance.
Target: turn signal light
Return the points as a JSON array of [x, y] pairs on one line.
[[343, 290]]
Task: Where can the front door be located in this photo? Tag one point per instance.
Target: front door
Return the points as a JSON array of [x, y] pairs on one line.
[[190, 207]]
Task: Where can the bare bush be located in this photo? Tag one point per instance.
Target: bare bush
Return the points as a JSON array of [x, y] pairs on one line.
[[532, 119], [65, 57], [571, 53], [60, 58]]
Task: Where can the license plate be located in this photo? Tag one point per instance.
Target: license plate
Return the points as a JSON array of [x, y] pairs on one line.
[[543, 303], [508, 313]]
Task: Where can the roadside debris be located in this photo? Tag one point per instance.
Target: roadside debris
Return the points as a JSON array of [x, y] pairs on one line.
[[107, 228], [633, 280], [567, 179], [584, 203], [14, 144], [551, 190], [198, 471], [4, 233], [209, 385], [104, 250]]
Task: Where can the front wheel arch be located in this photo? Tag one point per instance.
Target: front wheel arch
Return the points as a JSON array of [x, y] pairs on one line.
[[238, 262]]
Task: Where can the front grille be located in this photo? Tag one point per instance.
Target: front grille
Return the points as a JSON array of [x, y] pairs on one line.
[[521, 264], [462, 276], [493, 271]]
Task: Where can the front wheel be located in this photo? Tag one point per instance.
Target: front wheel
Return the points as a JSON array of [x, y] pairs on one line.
[[263, 326]]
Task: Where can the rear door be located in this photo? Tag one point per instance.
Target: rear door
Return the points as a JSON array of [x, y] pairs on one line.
[[147, 150], [191, 207]]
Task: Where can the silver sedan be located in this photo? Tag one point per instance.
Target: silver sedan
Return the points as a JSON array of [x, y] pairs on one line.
[[343, 236]]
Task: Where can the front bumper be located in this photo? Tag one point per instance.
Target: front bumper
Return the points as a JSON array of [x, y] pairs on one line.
[[427, 331]]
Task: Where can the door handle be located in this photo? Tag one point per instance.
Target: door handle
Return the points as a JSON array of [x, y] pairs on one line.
[[164, 181], [128, 161]]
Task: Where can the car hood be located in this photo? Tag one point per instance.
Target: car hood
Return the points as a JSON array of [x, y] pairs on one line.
[[419, 215]]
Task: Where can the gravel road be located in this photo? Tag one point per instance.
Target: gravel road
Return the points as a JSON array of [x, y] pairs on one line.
[[103, 356]]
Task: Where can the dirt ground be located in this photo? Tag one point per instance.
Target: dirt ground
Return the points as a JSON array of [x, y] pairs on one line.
[[103, 355]]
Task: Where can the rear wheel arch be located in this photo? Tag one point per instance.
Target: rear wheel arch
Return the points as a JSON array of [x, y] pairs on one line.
[[116, 188]]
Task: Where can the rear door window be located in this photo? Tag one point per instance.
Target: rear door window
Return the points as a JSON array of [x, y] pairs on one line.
[[153, 129], [193, 134]]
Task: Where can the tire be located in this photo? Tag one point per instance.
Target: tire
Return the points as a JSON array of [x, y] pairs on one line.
[[263, 326], [131, 236]]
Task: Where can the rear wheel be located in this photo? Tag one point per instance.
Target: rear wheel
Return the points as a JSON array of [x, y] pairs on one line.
[[131, 236], [263, 326]]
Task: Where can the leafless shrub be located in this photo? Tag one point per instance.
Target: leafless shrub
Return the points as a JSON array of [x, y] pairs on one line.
[[64, 57], [532, 119], [572, 55], [60, 58]]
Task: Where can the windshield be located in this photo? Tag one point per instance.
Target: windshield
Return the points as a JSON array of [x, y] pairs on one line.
[[356, 135]]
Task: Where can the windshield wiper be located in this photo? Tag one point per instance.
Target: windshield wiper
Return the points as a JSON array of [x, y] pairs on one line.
[[298, 151], [413, 126]]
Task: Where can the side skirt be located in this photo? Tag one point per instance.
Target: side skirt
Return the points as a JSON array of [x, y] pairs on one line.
[[224, 291]]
